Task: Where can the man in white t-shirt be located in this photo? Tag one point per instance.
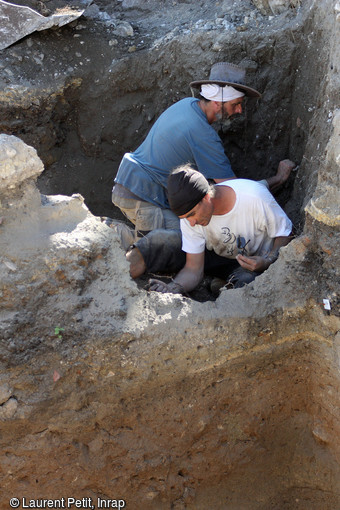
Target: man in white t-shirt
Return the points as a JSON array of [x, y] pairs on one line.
[[233, 227]]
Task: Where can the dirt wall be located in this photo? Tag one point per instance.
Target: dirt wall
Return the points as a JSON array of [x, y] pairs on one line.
[[108, 391]]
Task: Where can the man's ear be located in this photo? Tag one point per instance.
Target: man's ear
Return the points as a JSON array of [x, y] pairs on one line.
[[206, 198], [217, 106]]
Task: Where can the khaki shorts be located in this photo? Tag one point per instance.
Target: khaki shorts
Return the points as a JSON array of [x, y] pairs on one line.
[[146, 216], [157, 234]]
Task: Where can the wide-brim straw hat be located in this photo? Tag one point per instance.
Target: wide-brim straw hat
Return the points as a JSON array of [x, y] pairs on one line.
[[224, 73]]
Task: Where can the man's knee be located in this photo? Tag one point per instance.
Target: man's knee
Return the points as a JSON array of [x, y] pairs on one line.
[[136, 260], [162, 250]]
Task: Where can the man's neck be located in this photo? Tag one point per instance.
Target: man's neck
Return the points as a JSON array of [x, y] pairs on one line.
[[207, 110], [224, 200]]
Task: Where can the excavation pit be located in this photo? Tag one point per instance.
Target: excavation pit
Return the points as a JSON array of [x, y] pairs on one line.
[[108, 391]]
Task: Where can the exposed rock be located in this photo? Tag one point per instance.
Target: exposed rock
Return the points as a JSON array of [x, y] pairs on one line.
[[5, 393], [123, 29], [270, 7], [18, 21], [324, 206], [8, 409], [133, 4], [18, 162]]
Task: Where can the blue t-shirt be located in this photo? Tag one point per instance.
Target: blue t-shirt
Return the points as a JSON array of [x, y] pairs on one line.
[[181, 135]]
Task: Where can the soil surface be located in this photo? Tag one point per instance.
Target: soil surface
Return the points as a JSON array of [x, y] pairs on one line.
[[166, 402]]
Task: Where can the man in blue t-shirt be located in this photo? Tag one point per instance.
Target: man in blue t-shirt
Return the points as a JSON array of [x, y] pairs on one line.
[[182, 134]]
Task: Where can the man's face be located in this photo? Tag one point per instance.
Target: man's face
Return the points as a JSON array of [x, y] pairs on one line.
[[230, 108], [201, 214]]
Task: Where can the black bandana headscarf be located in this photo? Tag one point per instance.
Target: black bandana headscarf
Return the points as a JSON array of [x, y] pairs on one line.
[[186, 187]]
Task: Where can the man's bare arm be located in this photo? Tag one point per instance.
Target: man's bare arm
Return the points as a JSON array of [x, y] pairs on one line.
[[283, 172], [186, 280]]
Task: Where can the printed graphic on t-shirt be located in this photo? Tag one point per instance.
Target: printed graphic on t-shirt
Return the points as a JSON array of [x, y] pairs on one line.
[[229, 239]]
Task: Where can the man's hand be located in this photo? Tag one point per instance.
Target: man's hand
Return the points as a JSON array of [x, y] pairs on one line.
[[260, 264], [159, 286], [253, 263], [186, 280], [283, 172], [284, 169]]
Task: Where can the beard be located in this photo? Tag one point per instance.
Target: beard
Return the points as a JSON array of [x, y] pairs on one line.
[[224, 120]]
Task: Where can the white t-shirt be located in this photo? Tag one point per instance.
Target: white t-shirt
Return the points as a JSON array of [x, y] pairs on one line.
[[255, 220]]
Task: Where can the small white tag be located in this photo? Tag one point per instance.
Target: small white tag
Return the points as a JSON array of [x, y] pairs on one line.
[[326, 304], [10, 265]]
